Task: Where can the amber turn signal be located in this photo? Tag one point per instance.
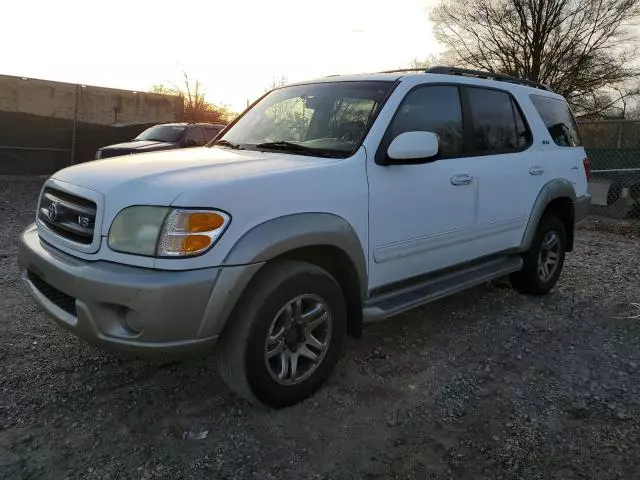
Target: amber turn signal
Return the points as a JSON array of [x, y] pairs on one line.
[[204, 222], [195, 243]]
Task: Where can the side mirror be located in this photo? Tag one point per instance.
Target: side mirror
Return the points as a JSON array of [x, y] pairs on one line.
[[189, 143], [413, 147]]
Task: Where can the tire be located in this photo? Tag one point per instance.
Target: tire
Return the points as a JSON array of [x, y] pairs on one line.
[[533, 279], [269, 308], [614, 193], [634, 210]]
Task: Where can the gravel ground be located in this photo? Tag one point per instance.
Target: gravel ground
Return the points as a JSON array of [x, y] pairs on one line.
[[487, 384]]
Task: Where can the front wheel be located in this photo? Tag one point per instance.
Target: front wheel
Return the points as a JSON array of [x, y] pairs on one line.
[[284, 340], [543, 262]]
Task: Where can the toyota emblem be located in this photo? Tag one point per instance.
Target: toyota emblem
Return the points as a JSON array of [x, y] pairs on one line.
[[53, 211]]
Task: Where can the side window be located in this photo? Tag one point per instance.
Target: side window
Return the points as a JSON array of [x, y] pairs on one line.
[[432, 109], [522, 132], [194, 134], [495, 123], [211, 133], [559, 121]]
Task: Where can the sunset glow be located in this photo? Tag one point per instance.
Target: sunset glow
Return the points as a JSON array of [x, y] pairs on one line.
[[235, 48]]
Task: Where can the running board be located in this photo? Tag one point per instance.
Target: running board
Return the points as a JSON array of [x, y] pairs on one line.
[[399, 301]]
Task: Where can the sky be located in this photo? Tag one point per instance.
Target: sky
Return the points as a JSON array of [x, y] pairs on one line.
[[235, 48]]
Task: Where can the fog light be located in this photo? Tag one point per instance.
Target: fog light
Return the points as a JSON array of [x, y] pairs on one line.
[[131, 320]]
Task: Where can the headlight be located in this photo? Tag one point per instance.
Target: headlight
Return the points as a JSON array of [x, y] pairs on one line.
[[166, 232]]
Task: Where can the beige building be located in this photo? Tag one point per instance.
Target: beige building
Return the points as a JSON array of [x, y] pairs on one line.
[[99, 105]]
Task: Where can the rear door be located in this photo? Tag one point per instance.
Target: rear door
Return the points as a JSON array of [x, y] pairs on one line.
[[512, 171]]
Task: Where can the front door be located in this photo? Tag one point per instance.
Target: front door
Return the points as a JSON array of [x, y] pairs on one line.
[[422, 217]]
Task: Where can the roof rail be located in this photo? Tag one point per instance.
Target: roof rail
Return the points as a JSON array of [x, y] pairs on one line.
[[405, 70], [488, 75]]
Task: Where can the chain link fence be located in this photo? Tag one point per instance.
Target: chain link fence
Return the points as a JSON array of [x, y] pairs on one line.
[[613, 147]]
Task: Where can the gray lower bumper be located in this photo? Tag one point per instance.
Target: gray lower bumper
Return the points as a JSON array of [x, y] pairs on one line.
[[175, 311], [581, 207]]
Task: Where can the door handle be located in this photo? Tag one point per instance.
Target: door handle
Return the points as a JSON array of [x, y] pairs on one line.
[[461, 179], [536, 170]]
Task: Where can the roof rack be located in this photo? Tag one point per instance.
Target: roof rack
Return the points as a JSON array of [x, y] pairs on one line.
[[500, 77], [443, 70], [405, 70]]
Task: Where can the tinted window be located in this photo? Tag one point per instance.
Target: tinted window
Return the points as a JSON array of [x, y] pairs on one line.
[[522, 131], [559, 121], [194, 134], [162, 133], [494, 123], [211, 132], [432, 109]]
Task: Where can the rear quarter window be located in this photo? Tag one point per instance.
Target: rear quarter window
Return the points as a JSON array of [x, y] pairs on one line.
[[559, 120], [211, 132]]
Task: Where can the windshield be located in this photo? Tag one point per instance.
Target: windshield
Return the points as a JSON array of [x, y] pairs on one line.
[[162, 133], [322, 118]]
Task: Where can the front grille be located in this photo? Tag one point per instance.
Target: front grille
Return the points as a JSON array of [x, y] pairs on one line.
[[68, 215], [55, 296], [114, 152]]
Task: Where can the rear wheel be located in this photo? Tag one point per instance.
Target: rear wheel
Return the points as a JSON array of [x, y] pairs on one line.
[[614, 193], [543, 263], [284, 340]]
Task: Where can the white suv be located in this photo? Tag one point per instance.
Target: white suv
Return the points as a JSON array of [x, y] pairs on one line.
[[326, 205]]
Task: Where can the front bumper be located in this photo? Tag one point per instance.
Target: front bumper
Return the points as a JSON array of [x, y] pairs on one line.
[[173, 311], [581, 207]]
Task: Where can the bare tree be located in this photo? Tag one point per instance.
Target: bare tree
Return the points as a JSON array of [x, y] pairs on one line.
[[161, 89], [196, 108], [580, 48], [277, 83], [425, 63]]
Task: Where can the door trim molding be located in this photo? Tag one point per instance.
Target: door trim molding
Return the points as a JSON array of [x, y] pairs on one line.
[[418, 245]]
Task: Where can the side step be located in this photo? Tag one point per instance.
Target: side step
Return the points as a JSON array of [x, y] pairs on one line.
[[399, 301]]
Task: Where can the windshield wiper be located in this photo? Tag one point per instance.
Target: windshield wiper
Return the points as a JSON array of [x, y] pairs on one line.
[[227, 143], [285, 146]]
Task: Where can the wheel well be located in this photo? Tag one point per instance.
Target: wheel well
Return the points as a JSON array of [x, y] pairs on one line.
[[339, 265], [564, 210]]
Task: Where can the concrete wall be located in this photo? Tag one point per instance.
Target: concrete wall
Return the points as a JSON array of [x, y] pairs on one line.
[[104, 106]]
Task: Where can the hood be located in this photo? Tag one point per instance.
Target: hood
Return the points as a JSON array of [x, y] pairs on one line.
[[159, 178], [140, 145]]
